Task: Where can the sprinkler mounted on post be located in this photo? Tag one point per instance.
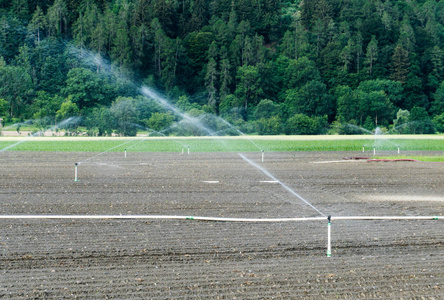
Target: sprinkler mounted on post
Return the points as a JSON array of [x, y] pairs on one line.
[[75, 171], [262, 155], [329, 237]]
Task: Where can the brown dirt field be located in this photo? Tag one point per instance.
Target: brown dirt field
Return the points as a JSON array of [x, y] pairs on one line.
[[173, 259]]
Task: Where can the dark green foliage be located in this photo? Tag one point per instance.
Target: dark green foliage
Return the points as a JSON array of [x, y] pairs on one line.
[[302, 124], [438, 122], [420, 121], [256, 63]]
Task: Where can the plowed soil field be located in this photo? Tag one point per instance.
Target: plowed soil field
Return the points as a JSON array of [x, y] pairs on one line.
[[174, 259]]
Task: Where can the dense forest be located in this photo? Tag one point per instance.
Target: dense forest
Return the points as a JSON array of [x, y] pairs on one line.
[[265, 66]]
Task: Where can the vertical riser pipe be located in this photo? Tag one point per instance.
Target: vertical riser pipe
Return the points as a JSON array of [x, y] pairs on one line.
[[329, 239]]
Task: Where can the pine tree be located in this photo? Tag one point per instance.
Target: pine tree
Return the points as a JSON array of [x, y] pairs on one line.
[[57, 18], [372, 54], [225, 78], [37, 24], [400, 64], [210, 84]]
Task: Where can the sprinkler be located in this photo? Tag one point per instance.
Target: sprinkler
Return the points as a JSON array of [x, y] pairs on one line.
[[188, 149], [374, 150], [182, 150], [263, 155], [125, 153], [75, 172], [329, 237], [399, 150], [363, 149]]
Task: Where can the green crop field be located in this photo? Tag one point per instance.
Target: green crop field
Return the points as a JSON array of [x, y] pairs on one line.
[[270, 144]]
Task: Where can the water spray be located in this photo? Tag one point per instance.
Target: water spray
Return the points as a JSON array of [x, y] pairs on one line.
[[281, 183], [75, 171]]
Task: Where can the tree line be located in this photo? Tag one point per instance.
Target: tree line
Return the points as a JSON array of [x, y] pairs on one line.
[[266, 66]]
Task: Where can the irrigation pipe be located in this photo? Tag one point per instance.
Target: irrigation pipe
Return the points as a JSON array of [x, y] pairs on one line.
[[158, 217], [215, 219], [218, 219]]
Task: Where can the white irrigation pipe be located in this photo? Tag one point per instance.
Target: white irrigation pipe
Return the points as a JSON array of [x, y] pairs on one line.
[[75, 172], [159, 217], [389, 218], [220, 219], [216, 219], [329, 237]]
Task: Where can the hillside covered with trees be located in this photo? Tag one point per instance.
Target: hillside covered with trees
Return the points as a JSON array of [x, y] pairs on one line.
[[266, 66]]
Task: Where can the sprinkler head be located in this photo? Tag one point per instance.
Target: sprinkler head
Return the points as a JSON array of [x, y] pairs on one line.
[[76, 164]]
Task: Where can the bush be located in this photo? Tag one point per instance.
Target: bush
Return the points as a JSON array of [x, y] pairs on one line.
[[301, 124], [269, 126], [438, 121]]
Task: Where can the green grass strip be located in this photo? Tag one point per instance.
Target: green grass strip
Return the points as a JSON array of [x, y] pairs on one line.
[[220, 145], [419, 157]]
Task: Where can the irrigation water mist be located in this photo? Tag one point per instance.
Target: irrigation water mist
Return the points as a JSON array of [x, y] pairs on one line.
[[18, 124], [98, 154], [66, 122], [150, 93], [378, 134], [280, 182]]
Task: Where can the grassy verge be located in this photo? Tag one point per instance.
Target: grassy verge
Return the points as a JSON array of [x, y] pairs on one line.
[[269, 144], [418, 157]]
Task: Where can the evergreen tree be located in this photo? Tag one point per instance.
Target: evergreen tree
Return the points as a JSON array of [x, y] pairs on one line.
[[57, 18], [37, 24], [371, 54], [400, 64]]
